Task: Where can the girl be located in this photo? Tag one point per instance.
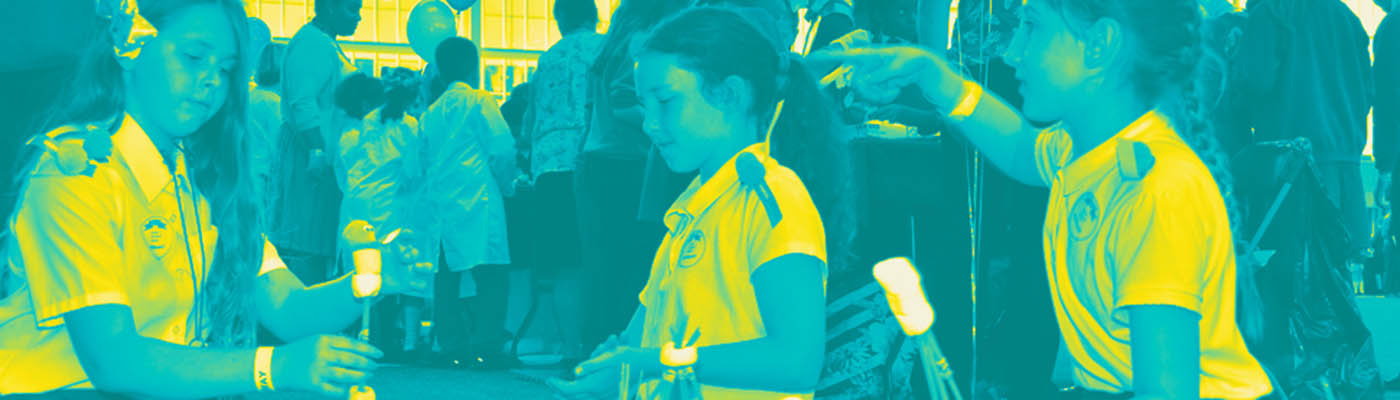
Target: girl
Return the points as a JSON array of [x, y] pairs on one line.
[[139, 278], [742, 272], [380, 160], [1138, 239], [610, 182]]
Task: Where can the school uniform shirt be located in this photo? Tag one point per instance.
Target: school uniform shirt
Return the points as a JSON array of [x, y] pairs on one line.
[[467, 150], [1138, 221], [720, 232], [117, 236]]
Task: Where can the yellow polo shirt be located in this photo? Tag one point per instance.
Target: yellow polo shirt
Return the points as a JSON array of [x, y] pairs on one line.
[[115, 236], [720, 232], [1139, 220]]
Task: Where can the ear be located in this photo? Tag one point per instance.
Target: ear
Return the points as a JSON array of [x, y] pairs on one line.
[[731, 94], [1103, 44]]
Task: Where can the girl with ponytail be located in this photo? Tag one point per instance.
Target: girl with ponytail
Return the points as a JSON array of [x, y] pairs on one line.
[[137, 242], [1140, 249], [740, 277]]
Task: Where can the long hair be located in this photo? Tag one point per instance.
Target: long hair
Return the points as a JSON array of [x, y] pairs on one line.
[[217, 164], [718, 43], [1172, 67]]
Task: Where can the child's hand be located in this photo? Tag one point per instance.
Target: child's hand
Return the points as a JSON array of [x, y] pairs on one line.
[[414, 271], [326, 365], [879, 73], [599, 386]]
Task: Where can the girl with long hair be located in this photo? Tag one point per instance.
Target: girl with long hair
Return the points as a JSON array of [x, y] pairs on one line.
[[136, 240]]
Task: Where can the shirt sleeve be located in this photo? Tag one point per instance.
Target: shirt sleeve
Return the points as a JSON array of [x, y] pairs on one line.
[[1052, 152], [306, 73], [799, 232], [1162, 250], [68, 231], [271, 261]]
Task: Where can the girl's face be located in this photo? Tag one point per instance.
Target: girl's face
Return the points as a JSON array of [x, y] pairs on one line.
[[1049, 62], [685, 125], [183, 75]]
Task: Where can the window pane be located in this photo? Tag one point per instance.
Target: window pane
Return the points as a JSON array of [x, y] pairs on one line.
[[491, 31], [388, 26]]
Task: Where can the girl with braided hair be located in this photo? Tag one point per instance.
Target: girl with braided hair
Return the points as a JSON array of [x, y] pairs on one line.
[[136, 250], [1139, 247]]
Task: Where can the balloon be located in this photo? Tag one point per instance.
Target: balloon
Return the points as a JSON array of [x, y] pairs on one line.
[[258, 37], [461, 5], [429, 23]]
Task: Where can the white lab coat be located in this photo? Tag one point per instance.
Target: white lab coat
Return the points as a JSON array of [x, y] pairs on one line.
[[469, 157]]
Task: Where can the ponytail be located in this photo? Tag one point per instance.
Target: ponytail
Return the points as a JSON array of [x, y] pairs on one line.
[[807, 139]]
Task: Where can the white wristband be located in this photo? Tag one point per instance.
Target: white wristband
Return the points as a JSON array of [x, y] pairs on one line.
[[262, 369]]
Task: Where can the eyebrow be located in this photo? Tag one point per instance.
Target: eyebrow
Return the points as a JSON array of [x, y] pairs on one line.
[[201, 43]]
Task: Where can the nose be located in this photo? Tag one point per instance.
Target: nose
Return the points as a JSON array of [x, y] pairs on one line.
[[651, 125]]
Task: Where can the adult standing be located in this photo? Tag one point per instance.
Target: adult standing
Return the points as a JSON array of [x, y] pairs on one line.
[[306, 215]]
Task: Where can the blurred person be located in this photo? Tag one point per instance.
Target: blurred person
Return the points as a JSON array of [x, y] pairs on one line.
[[555, 124], [469, 164], [1305, 71], [306, 220], [265, 124]]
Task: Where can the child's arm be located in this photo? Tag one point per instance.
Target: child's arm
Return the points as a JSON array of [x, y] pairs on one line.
[[788, 359], [118, 359], [291, 310], [1165, 352], [996, 128]]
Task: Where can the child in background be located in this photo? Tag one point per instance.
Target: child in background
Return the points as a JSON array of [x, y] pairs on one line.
[[469, 163]]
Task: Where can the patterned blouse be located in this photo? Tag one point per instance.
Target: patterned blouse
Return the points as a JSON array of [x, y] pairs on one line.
[[557, 118], [980, 36]]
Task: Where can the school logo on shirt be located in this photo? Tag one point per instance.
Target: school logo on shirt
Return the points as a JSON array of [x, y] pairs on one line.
[[1084, 216], [692, 250], [156, 230]]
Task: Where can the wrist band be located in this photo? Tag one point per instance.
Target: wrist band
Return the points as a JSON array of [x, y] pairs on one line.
[[673, 357], [262, 369], [971, 96]]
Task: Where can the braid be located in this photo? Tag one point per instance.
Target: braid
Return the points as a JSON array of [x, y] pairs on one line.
[[1194, 116]]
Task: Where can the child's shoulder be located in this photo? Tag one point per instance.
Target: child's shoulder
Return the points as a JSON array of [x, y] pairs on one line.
[[73, 161]]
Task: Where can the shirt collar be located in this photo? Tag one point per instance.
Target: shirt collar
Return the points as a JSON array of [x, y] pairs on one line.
[[1083, 171], [142, 158], [700, 195]]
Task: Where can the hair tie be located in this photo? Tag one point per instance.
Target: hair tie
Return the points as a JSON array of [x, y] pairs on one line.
[[128, 28]]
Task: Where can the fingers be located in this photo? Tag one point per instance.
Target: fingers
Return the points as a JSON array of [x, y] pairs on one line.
[[347, 377], [333, 390], [355, 346], [606, 360]]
